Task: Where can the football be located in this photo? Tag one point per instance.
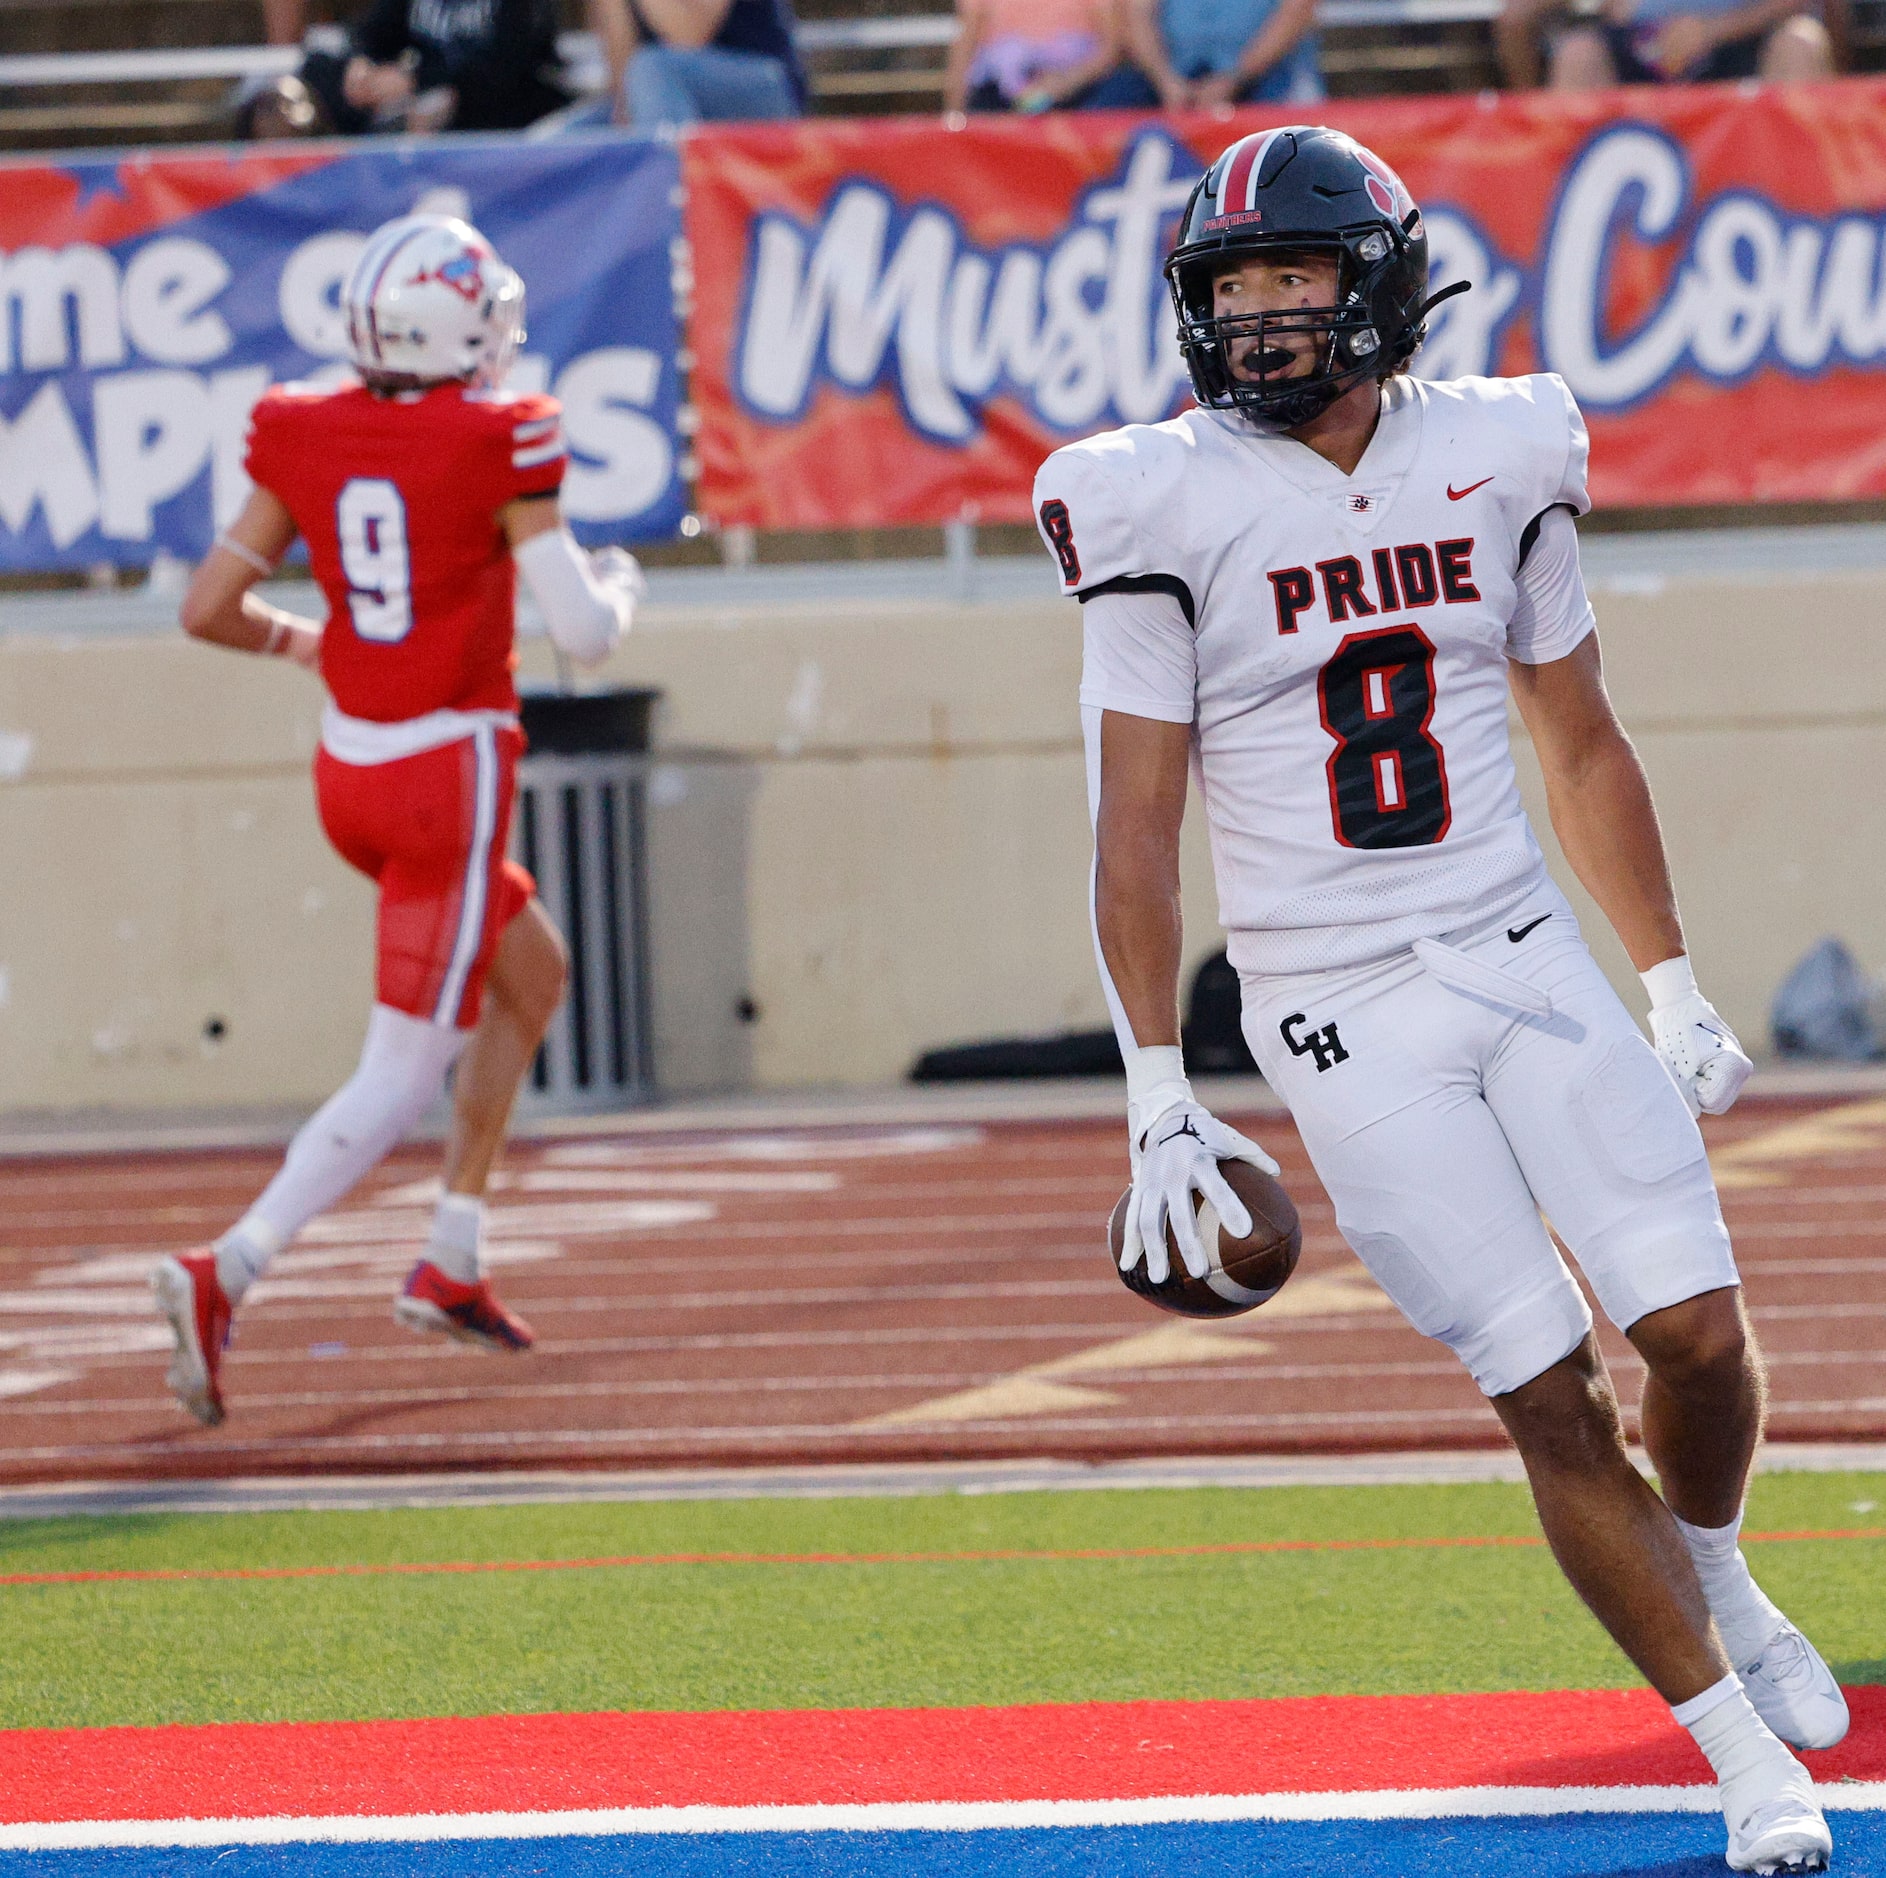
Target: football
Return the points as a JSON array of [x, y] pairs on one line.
[[1244, 1272]]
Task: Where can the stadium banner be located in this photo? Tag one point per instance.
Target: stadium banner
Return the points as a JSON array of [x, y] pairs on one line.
[[893, 322], [147, 301]]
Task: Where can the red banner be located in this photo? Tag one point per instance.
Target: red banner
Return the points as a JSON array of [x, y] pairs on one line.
[[894, 321]]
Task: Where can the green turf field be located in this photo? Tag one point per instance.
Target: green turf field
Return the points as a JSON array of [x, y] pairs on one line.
[[842, 1635]]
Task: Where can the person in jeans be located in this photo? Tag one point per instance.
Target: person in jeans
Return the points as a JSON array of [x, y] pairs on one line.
[[1035, 55], [1653, 42], [676, 62], [1198, 54]]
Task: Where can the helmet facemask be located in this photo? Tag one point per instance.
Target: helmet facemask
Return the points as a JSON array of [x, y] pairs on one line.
[[504, 329], [1234, 360]]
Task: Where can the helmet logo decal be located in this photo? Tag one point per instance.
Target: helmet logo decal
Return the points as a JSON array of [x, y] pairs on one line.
[[1385, 188], [463, 273]]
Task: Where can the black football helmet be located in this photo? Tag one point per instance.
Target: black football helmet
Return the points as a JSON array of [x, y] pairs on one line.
[[1300, 190]]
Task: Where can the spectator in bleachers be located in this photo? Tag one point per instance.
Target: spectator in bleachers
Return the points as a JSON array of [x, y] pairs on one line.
[[676, 62], [429, 65], [269, 109], [1197, 54], [1654, 42], [1036, 55], [284, 21]]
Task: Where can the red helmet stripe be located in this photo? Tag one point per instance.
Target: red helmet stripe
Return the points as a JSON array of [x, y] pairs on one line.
[[373, 287], [1239, 187]]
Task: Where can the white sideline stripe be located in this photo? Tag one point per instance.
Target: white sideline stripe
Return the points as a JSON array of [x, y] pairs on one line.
[[925, 1816], [830, 1481]]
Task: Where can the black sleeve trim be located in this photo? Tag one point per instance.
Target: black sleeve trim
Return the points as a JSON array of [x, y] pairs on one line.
[[1530, 533], [1147, 583]]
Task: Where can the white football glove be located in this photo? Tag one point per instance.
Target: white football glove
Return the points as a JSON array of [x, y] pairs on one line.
[[1178, 1154], [618, 568], [1698, 1049]]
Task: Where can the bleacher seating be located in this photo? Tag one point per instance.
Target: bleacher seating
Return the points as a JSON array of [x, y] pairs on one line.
[[103, 72]]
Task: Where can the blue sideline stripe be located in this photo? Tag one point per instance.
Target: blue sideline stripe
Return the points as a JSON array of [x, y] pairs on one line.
[[1586, 1845]]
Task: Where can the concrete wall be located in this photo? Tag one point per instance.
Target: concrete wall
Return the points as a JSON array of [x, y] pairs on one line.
[[869, 828]]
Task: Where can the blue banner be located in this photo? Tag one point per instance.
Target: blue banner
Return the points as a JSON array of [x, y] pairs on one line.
[[147, 302]]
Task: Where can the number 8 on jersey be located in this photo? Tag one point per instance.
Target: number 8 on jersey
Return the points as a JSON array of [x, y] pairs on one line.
[[1387, 776]]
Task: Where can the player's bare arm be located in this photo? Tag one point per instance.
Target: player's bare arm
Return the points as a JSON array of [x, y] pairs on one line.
[[1599, 799], [1600, 803], [1136, 868], [528, 518], [219, 607], [1175, 1143]]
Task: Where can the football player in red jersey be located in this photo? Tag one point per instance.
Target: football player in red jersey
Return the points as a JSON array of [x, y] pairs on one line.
[[422, 489]]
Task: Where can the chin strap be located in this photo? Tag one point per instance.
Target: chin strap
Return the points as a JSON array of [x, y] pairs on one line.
[[1447, 293]]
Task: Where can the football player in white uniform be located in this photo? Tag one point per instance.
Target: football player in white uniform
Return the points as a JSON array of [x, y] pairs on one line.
[[1318, 588]]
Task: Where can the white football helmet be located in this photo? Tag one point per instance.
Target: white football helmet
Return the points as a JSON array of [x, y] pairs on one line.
[[430, 300]]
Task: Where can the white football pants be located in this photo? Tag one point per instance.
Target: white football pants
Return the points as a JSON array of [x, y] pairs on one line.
[[1448, 1100]]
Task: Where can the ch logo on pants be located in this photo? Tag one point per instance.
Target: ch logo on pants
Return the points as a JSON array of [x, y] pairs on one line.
[[1322, 1044]]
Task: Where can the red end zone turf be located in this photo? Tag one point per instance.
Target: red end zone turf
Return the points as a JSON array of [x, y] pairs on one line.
[[1075, 1751]]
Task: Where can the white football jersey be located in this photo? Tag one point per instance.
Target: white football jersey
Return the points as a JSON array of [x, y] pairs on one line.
[[1339, 645]]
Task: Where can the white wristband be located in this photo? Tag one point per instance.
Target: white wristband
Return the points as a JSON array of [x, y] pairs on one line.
[[243, 552], [1671, 982], [1155, 1081]]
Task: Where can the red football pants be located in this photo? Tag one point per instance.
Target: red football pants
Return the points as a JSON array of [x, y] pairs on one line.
[[431, 830]]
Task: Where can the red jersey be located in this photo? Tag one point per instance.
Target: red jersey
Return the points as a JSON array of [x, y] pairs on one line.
[[397, 498]]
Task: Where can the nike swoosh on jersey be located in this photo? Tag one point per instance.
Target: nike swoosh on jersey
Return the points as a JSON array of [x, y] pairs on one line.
[[1518, 934], [1454, 495]]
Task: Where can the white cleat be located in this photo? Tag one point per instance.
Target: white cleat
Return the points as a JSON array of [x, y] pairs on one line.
[[1784, 1833], [1795, 1693]]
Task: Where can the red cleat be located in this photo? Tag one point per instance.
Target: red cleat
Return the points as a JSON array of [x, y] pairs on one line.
[[472, 1313], [189, 1294]]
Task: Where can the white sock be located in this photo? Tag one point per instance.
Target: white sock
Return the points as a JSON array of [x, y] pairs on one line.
[[1750, 1764], [458, 1227], [403, 1065], [243, 1253], [1745, 1616]]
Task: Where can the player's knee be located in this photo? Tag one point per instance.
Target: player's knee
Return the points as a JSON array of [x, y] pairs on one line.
[[1698, 1343], [532, 966], [403, 1066], [539, 990], [1566, 1420]]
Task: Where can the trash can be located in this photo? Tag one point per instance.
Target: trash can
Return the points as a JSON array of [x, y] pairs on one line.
[[581, 827]]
